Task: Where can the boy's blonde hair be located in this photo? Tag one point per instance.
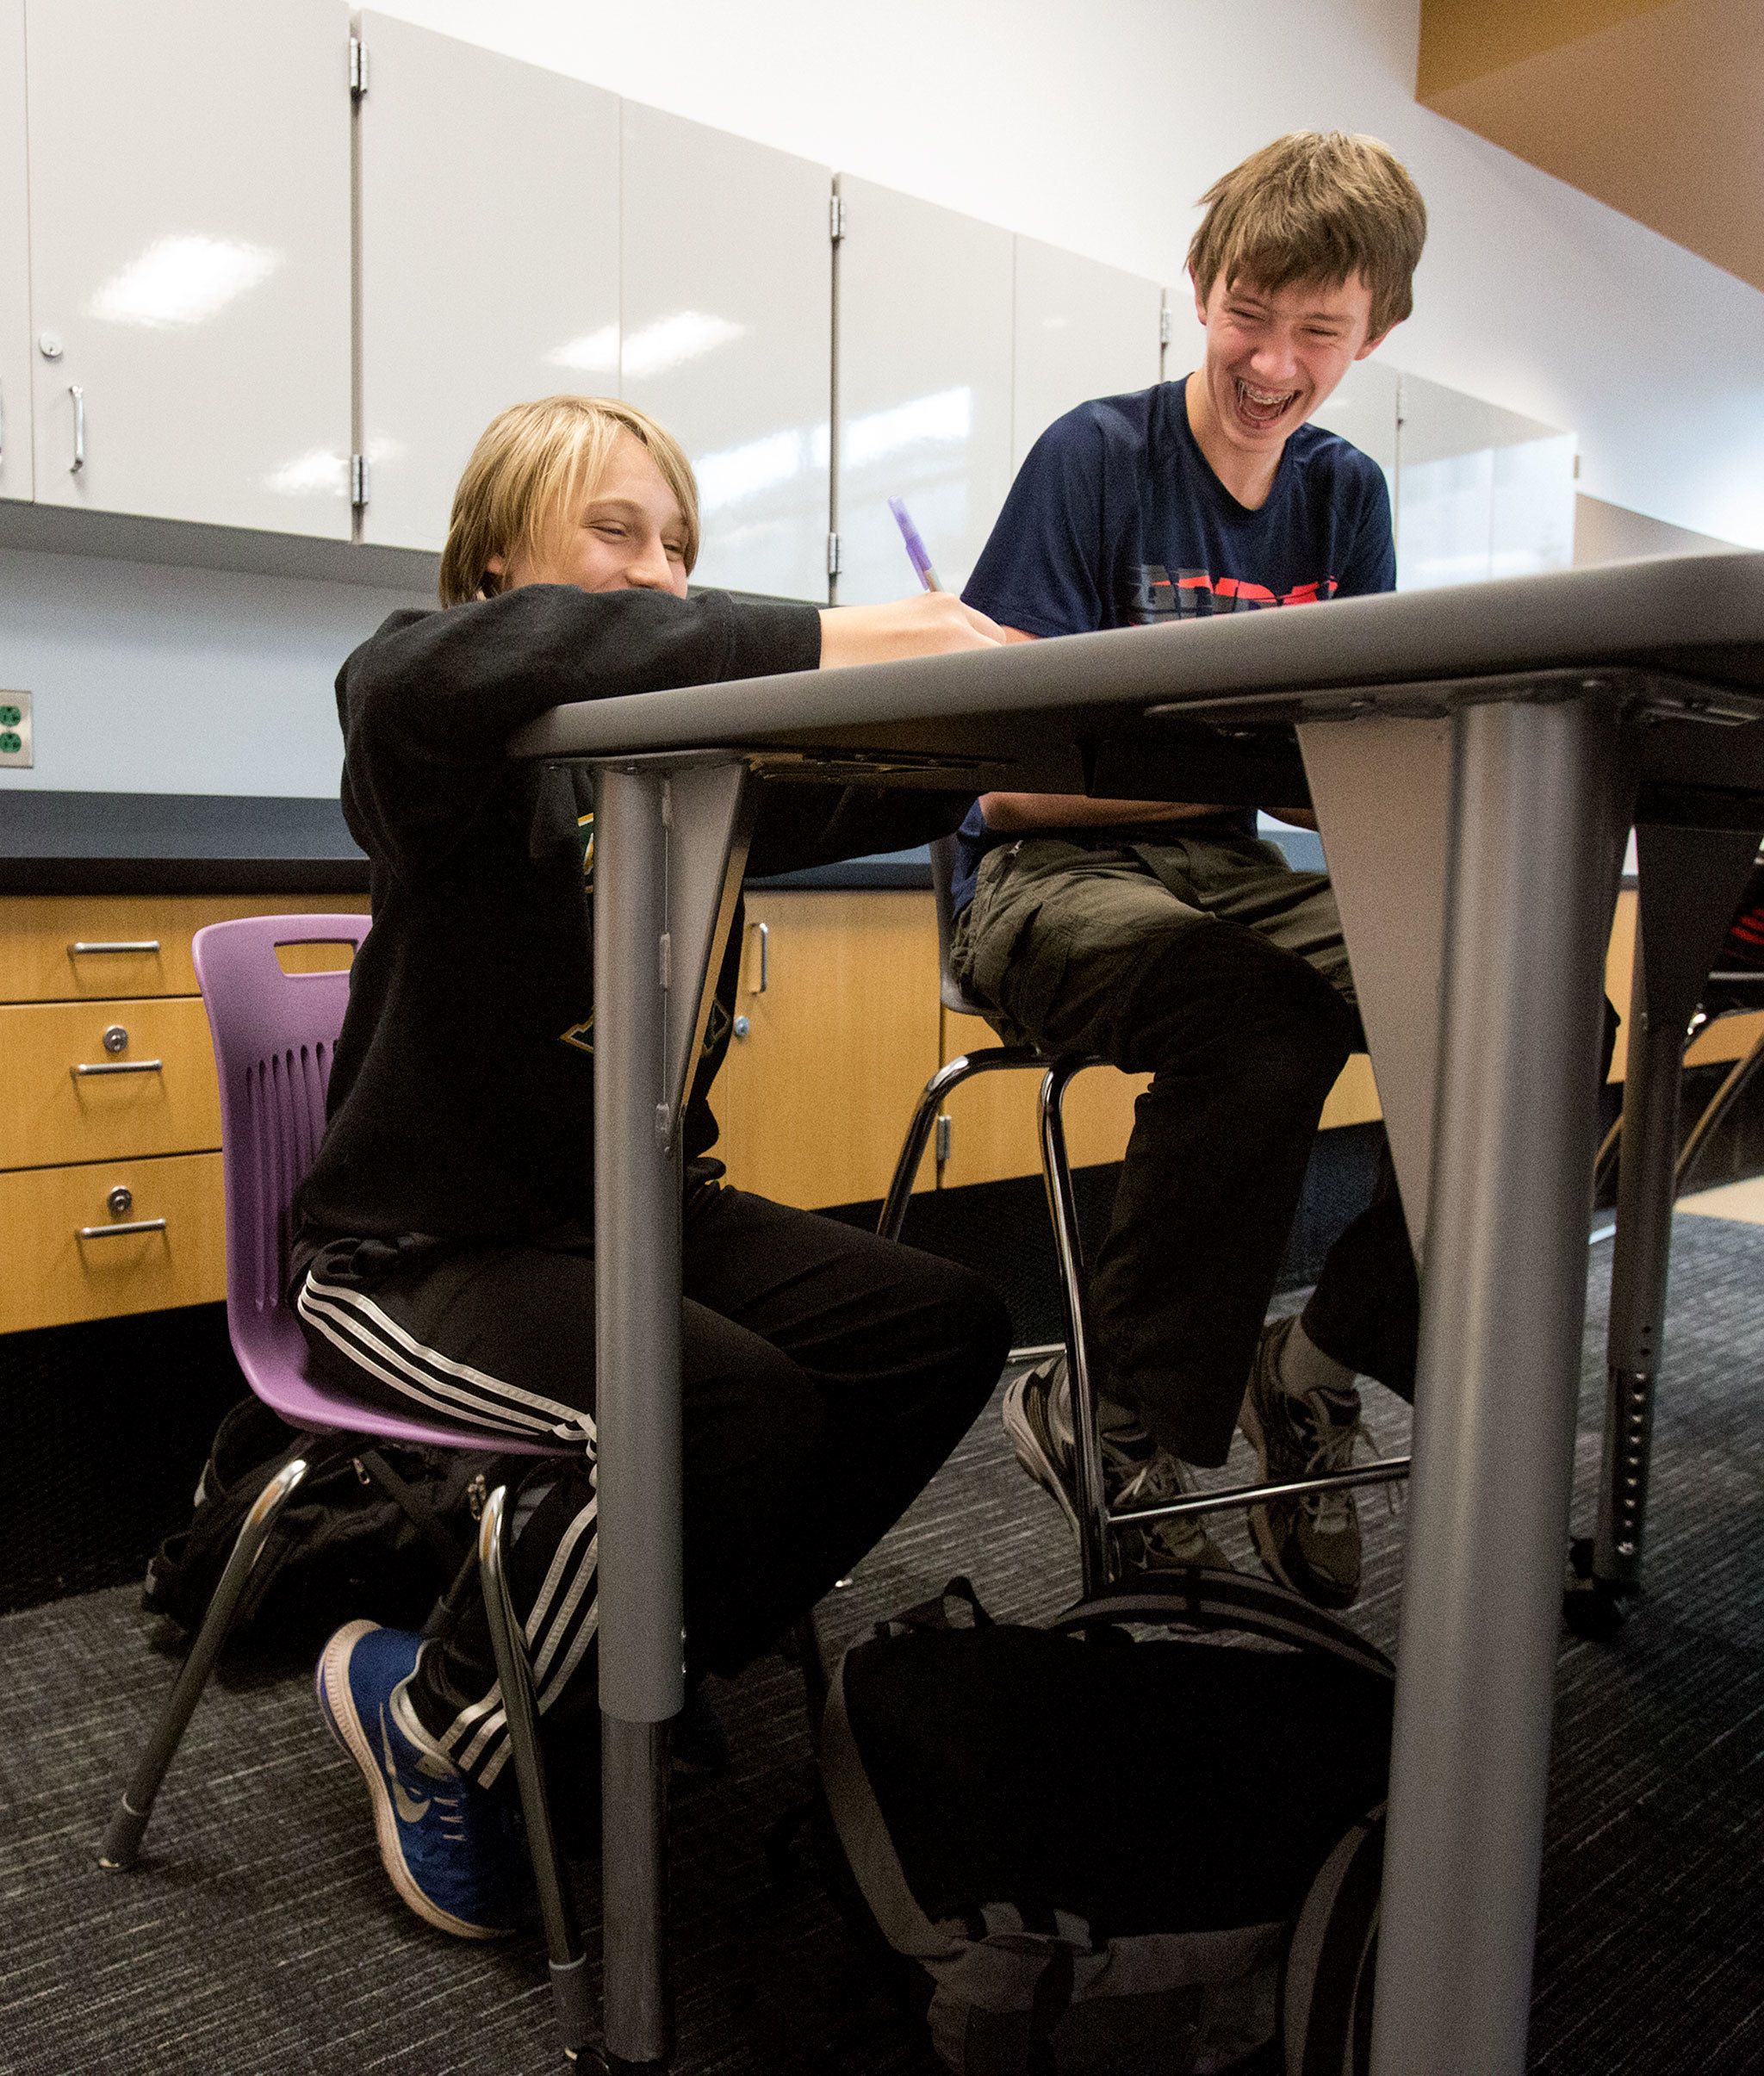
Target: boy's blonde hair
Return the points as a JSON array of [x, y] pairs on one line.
[[532, 464], [1317, 205]]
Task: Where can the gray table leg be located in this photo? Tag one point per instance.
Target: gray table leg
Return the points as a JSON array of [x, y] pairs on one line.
[[1648, 1155], [637, 1212], [1530, 885], [1691, 881]]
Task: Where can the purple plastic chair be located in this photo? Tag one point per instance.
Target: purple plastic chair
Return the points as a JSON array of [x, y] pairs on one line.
[[275, 1034]]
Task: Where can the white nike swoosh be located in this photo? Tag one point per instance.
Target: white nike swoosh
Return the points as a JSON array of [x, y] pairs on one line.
[[410, 1811]]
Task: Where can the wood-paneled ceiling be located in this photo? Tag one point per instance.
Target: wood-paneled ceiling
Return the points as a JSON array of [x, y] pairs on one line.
[[1655, 107]]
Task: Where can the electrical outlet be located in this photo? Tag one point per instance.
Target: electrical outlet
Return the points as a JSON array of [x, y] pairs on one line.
[[16, 727]]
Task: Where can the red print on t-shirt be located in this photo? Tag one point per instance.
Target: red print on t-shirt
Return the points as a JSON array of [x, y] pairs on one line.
[[1195, 595]]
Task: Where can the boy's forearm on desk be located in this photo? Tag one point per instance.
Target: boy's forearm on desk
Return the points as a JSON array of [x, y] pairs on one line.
[[1079, 810]]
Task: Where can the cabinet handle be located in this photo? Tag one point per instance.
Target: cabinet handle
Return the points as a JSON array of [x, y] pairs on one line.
[[759, 987], [145, 944], [79, 428], [135, 1225], [121, 1067]]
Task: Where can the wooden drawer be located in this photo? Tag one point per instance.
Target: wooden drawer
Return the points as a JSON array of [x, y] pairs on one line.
[[51, 1276], [37, 935], [123, 1109]]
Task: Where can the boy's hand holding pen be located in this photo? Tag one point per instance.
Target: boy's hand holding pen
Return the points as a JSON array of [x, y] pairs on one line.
[[935, 624]]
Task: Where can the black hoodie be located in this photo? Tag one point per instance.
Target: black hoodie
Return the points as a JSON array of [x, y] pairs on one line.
[[462, 1096]]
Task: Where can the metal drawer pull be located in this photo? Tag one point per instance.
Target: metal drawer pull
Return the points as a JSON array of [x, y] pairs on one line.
[[135, 1225], [145, 944], [122, 1066], [764, 956], [79, 428]]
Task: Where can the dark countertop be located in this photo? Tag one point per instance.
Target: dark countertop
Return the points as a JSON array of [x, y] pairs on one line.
[[163, 844]]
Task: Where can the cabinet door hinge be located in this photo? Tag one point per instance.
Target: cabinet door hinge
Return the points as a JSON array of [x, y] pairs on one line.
[[835, 218], [943, 1135], [833, 562], [358, 482], [357, 68]]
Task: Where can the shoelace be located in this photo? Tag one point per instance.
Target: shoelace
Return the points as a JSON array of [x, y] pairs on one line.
[[1332, 1446], [1161, 1478]]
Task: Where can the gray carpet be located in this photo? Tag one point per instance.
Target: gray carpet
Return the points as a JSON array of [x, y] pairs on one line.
[[260, 1936]]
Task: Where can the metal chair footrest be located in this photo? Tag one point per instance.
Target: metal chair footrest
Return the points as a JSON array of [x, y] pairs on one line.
[[1384, 1473]]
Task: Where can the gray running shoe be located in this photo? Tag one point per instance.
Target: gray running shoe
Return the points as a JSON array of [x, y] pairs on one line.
[[1037, 1419], [1311, 1544]]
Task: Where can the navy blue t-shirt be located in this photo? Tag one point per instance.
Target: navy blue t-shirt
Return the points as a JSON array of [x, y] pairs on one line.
[[1116, 519]]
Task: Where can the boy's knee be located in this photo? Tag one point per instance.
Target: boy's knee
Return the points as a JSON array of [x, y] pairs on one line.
[[969, 1321], [1227, 992]]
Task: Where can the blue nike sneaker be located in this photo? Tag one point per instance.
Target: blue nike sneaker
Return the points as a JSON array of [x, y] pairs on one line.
[[453, 1850]]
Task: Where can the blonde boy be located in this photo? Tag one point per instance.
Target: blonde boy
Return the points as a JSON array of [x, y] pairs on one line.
[[444, 1256]]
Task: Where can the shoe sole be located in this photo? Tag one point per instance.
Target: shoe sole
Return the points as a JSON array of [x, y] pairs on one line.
[[1026, 1446], [1262, 1527], [345, 1726]]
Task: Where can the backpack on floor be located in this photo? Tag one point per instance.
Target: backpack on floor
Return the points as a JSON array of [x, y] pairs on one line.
[[1107, 1852], [340, 1547]]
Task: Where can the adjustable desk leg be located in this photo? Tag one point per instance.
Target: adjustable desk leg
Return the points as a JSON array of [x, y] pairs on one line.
[[1689, 882], [671, 837], [636, 1273], [1646, 1155], [1530, 882]]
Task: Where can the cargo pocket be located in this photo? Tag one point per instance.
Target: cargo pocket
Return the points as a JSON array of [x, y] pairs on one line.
[[1030, 977]]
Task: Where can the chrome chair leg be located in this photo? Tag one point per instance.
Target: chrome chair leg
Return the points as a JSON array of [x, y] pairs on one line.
[[1094, 1546], [127, 1827], [950, 1075], [569, 1966]]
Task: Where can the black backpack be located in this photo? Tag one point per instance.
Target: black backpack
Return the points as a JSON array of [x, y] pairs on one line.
[[1094, 1848], [342, 1547]]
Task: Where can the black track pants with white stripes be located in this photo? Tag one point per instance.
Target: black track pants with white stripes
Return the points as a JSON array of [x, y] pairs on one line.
[[827, 1374]]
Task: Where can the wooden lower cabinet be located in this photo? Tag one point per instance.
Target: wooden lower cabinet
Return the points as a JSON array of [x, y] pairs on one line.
[[63, 1255], [839, 994], [87, 1079], [107, 982]]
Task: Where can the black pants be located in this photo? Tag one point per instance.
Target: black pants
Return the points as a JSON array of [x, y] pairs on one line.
[[1209, 963], [826, 1374]]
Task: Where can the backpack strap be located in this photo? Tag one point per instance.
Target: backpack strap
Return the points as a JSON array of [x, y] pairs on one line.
[[934, 1612], [415, 1506], [1202, 1598], [1325, 1997]]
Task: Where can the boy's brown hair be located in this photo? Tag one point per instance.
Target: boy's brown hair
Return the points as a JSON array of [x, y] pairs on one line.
[[531, 464], [1317, 205]]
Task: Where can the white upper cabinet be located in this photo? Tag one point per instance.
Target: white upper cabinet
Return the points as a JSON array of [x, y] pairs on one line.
[[15, 262], [1482, 491], [923, 352], [489, 259], [190, 211], [1363, 411], [1082, 330], [727, 315]]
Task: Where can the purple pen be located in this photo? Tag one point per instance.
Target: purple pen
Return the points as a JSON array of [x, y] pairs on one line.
[[915, 547]]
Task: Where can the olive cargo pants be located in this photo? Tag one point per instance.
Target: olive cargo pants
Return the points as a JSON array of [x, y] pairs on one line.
[[1208, 962]]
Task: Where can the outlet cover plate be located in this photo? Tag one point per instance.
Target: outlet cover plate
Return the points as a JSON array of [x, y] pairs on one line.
[[16, 727]]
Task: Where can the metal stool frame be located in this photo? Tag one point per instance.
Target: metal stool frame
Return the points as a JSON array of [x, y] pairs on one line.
[[1098, 1520]]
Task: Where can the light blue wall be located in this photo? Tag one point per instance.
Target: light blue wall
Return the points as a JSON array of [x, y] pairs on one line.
[[155, 678]]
